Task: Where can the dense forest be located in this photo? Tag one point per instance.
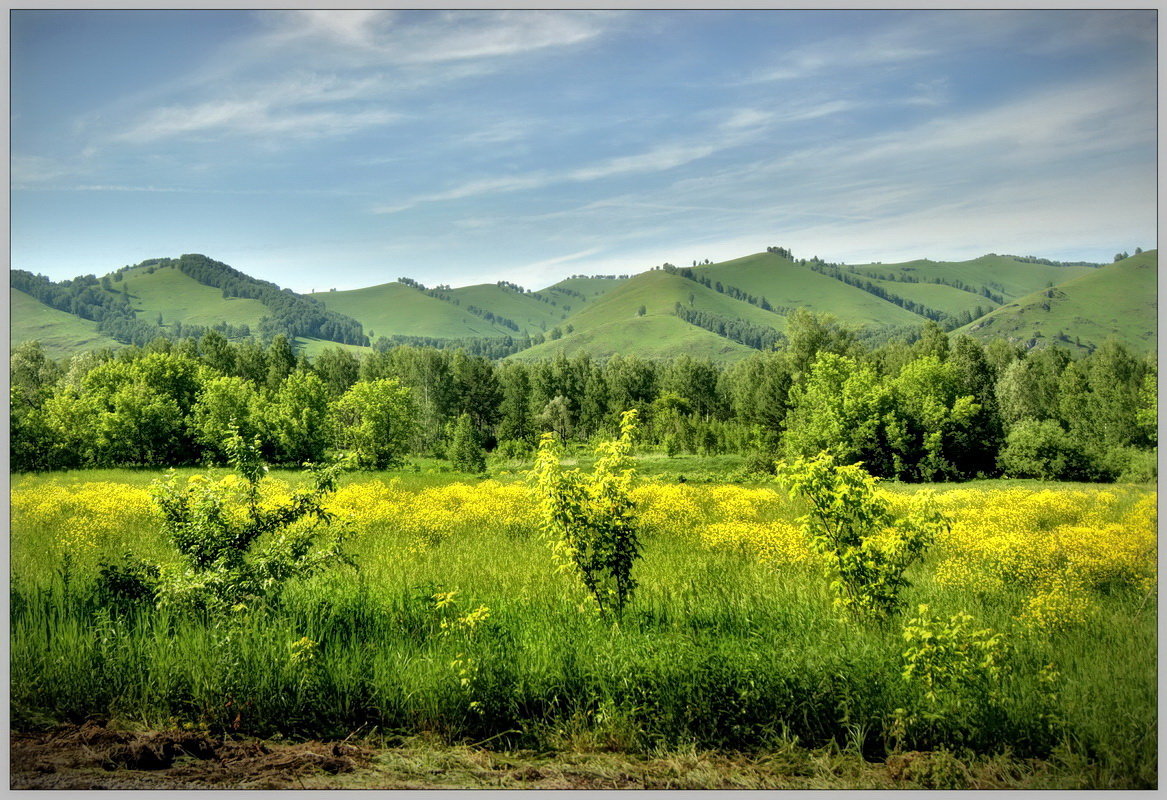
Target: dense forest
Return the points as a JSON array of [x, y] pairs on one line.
[[934, 408]]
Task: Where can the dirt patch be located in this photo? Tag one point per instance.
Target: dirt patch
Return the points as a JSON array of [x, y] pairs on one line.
[[97, 756], [93, 756]]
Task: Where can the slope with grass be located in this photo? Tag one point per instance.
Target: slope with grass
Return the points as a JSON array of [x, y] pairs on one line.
[[659, 292], [947, 299], [651, 337], [575, 294], [61, 334], [530, 314], [1004, 275], [396, 309], [1116, 301], [787, 285], [177, 297], [313, 347]]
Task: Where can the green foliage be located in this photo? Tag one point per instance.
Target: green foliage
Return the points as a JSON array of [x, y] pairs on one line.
[[954, 668], [867, 547], [238, 548], [952, 663], [1042, 449], [375, 421], [593, 517], [295, 419], [224, 402], [466, 451]]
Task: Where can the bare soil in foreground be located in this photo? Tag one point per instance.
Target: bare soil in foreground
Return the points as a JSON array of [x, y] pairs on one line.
[[93, 756]]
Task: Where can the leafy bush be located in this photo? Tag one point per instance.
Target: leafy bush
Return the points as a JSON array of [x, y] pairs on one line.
[[1043, 450], [593, 517], [239, 547], [868, 548]]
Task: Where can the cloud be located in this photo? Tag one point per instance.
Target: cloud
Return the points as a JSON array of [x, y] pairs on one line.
[[657, 159], [385, 38]]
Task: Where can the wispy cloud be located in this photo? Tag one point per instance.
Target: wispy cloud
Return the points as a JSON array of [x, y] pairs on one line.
[[657, 159], [385, 37]]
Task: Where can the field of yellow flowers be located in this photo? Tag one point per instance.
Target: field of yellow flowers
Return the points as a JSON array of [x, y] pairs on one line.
[[1032, 626]]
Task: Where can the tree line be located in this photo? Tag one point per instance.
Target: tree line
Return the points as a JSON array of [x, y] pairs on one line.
[[925, 410]]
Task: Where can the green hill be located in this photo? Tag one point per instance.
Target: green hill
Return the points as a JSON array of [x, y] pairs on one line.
[[947, 299], [60, 333], [532, 314], [1116, 301], [396, 309], [657, 336], [574, 294], [787, 285], [177, 297], [659, 292], [1004, 275]]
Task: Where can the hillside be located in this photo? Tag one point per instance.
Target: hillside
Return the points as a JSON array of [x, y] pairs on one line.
[[657, 336], [574, 294], [396, 309], [1004, 275], [61, 334], [1115, 301], [787, 285], [659, 292], [531, 313], [175, 296]]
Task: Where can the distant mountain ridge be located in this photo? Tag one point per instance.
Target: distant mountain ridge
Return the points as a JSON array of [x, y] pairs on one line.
[[721, 311]]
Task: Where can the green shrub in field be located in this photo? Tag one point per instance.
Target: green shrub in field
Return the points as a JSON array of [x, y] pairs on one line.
[[236, 548], [868, 548], [954, 667], [593, 517]]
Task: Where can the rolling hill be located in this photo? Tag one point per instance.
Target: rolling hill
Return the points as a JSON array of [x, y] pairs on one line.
[[175, 296], [1008, 276], [656, 336], [787, 285], [1115, 301], [716, 311], [396, 309], [532, 314]]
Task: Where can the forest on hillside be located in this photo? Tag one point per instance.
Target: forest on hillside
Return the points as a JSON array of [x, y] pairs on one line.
[[938, 408]]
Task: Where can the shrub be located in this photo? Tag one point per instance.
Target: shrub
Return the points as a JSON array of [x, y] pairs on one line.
[[239, 547], [1043, 450], [593, 517], [867, 547]]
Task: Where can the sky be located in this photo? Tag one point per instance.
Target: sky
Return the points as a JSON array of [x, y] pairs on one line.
[[341, 149]]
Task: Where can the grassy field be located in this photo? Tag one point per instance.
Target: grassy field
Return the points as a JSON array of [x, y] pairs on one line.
[[590, 288], [659, 292], [313, 347], [456, 624], [1116, 301], [60, 334]]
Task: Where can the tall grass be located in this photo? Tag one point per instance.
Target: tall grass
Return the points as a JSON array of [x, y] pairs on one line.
[[718, 649]]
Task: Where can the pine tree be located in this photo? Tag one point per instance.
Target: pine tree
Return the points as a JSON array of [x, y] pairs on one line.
[[466, 451]]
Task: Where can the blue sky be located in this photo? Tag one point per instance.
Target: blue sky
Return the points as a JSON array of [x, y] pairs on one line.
[[348, 148]]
